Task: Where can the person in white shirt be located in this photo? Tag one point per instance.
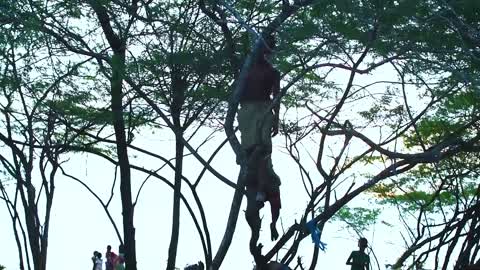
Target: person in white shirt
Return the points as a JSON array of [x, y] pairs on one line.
[[97, 260]]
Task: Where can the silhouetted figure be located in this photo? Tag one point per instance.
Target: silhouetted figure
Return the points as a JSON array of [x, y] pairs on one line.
[[358, 259], [110, 258], [257, 125], [198, 266], [277, 266]]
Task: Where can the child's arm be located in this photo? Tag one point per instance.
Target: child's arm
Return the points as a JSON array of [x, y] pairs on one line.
[[349, 260]]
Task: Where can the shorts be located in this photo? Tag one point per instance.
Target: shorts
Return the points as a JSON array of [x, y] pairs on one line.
[[255, 124], [272, 196]]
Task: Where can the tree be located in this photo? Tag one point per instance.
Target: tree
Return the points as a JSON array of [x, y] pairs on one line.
[[153, 65], [446, 186], [31, 132], [68, 40], [371, 36]]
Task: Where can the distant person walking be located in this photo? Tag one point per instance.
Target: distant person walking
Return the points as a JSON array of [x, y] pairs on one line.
[[358, 259]]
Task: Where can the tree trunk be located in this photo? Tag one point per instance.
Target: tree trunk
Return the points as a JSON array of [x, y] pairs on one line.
[[118, 69], [178, 88], [172, 250]]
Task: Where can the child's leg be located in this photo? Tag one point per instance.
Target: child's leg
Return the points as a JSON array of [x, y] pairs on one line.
[[253, 218], [275, 205], [263, 176]]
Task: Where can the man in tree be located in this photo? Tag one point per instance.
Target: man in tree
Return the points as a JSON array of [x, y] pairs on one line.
[[358, 259], [257, 123]]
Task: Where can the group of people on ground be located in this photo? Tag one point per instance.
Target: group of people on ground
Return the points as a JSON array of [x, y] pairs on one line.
[[359, 260], [112, 260]]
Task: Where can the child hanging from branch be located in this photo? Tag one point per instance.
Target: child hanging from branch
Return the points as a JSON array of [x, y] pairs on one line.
[[258, 123]]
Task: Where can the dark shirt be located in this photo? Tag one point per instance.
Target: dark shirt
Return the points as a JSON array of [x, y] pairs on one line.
[[110, 256], [359, 260], [262, 81]]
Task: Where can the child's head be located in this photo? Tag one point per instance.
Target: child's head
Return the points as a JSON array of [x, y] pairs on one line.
[[362, 243]]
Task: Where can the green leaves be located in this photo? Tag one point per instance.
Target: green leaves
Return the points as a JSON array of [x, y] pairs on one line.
[[81, 114], [306, 30], [464, 101], [431, 202], [357, 218], [456, 110]]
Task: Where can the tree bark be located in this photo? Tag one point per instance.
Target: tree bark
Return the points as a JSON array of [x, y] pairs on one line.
[[118, 69], [172, 250], [178, 88]]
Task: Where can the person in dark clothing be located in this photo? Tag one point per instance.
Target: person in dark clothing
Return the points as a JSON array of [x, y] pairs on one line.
[[277, 266], [110, 258], [258, 124], [198, 266], [358, 259]]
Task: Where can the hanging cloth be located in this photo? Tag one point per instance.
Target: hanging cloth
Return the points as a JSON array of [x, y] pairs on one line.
[[315, 233]]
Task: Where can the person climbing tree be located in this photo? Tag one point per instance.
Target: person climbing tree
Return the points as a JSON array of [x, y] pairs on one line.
[[258, 123], [358, 259]]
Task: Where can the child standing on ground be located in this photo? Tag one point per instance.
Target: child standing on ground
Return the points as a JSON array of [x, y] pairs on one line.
[[358, 259], [97, 260], [110, 257]]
